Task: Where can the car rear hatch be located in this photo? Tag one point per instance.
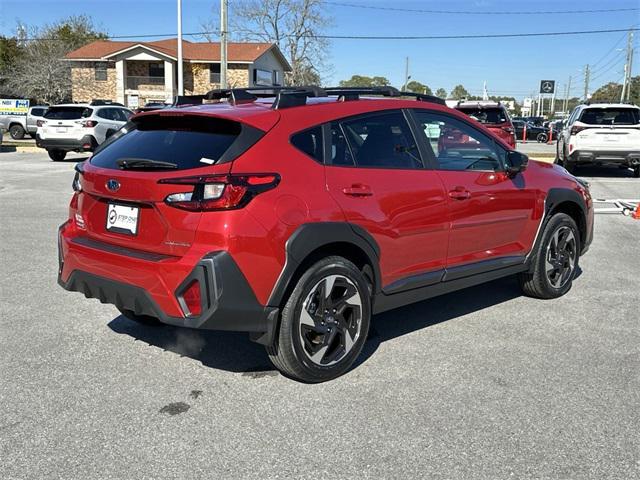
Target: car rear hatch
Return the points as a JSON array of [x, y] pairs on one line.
[[126, 182], [608, 129], [65, 121]]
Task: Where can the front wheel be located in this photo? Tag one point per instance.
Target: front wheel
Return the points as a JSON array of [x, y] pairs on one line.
[[542, 138], [555, 260], [324, 323]]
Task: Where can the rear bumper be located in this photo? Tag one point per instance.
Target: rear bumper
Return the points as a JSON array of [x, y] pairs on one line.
[[227, 300], [84, 144], [623, 157]]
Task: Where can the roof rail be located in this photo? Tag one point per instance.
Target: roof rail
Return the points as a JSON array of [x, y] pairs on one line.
[[286, 97]]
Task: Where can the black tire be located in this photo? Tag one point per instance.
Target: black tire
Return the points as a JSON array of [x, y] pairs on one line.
[[57, 155], [538, 283], [32, 135], [297, 342], [16, 132], [542, 138], [571, 167], [636, 171], [559, 155], [142, 319]]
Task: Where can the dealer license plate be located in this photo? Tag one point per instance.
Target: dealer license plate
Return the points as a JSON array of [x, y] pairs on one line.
[[123, 219]]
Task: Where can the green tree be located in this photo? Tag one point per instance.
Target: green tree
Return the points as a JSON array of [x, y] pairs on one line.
[[41, 72], [441, 92], [459, 93], [417, 87], [611, 92], [364, 81]]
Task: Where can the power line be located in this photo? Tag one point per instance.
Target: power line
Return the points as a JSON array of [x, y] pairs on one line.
[[471, 12], [384, 37], [463, 37]]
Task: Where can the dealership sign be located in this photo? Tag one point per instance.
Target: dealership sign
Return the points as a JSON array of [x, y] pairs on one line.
[[14, 107], [547, 86]]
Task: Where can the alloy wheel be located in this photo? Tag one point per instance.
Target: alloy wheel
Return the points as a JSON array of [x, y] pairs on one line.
[[330, 320], [560, 258]]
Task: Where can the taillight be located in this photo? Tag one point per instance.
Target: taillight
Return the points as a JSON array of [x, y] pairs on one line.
[[40, 123], [89, 123], [219, 192], [75, 184], [192, 300], [576, 129]]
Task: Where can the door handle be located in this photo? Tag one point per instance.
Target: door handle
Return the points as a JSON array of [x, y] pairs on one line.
[[358, 190], [459, 193]]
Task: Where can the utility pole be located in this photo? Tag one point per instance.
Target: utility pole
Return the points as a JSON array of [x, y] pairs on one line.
[[586, 83], [406, 74], [566, 97], [626, 84], [180, 73], [223, 43]]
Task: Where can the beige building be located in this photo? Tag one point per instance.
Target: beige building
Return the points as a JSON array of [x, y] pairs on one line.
[[135, 73]]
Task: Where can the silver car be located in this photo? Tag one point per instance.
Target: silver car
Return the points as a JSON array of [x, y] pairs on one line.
[[79, 127]]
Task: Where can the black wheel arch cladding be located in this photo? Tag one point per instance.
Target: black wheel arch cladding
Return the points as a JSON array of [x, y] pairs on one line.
[[312, 237]]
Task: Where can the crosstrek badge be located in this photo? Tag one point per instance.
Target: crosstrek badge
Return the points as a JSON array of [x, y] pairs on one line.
[[122, 219]]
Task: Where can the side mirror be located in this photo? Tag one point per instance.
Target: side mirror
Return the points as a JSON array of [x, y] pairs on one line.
[[516, 162]]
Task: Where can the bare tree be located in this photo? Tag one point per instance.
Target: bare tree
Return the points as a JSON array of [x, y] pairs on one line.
[[296, 26], [41, 72]]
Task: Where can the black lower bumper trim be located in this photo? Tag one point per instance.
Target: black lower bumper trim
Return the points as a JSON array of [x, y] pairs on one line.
[[66, 144], [228, 303], [630, 158]]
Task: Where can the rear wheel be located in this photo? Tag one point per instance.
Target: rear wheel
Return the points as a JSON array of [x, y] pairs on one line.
[[57, 155], [143, 319], [324, 323], [16, 132], [555, 261]]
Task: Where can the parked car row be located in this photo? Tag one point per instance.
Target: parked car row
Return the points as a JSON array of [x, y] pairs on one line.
[[20, 125]]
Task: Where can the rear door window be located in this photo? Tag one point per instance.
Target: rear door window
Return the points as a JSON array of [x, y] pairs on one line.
[[68, 113], [187, 141], [610, 116], [381, 140]]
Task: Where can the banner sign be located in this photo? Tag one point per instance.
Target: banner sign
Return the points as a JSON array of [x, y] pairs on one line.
[[14, 107]]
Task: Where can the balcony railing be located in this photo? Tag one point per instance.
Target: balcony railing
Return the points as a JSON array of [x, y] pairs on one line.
[[144, 83]]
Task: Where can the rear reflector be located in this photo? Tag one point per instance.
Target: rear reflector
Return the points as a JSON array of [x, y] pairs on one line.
[[192, 299]]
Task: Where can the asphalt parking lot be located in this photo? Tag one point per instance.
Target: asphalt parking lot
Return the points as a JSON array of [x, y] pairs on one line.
[[482, 383]]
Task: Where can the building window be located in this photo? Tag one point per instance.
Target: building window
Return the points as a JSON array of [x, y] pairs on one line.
[[101, 72], [262, 77], [214, 73], [277, 80], [156, 69]]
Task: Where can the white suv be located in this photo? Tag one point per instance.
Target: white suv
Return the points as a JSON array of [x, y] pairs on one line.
[[79, 127], [602, 133]]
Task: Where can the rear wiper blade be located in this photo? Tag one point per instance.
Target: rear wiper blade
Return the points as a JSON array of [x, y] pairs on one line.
[[128, 163]]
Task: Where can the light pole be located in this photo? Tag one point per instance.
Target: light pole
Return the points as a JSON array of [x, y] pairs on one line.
[[223, 43], [180, 73]]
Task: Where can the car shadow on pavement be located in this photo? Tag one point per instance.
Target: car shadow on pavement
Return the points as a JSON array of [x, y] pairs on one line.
[[605, 171], [234, 352]]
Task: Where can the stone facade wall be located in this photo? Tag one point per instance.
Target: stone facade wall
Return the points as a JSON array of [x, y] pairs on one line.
[[196, 82], [85, 87]]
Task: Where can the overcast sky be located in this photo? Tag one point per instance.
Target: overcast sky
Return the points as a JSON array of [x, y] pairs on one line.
[[510, 66]]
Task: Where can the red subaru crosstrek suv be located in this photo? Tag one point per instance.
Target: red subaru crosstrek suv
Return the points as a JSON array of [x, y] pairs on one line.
[[298, 216], [494, 116]]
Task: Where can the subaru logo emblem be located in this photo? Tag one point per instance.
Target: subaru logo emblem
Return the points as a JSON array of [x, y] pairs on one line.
[[113, 185]]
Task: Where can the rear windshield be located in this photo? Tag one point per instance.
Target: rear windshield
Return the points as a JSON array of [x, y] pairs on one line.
[[611, 116], [486, 115], [187, 141], [67, 113]]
